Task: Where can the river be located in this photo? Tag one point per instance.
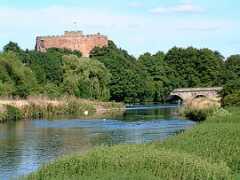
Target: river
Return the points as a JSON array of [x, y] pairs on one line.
[[26, 145]]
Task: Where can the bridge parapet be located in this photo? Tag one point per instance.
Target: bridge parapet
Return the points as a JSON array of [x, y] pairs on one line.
[[188, 94], [197, 89]]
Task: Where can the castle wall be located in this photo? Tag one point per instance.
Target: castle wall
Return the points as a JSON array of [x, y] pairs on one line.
[[73, 40]]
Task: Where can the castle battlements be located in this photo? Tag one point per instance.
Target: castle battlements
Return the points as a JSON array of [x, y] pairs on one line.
[[73, 34], [73, 40]]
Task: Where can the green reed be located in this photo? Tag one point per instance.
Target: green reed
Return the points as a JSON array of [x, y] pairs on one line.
[[10, 113], [37, 108], [216, 139]]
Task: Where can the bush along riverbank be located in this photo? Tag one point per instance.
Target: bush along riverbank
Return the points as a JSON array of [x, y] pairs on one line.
[[210, 150], [9, 113], [199, 109], [38, 107]]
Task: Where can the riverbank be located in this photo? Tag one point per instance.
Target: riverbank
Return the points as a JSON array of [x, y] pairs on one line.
[[43, 107], [210, 150]]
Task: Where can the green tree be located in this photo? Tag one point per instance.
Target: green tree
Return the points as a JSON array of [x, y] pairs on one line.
[[230, 92], [232, 99], [129, 82], [86, 78], [232, 65], [48, 67], [15, 78], [12, 46], [196, 67], [164, 78]]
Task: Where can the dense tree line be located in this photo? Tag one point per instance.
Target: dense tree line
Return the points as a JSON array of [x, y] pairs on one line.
[[231, 91], [111, 73], [129, 82]]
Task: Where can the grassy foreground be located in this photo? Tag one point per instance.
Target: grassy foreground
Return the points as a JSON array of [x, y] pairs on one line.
[[210, 150], [42, 107]]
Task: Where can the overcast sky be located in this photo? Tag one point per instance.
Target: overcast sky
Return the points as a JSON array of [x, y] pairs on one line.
[[137, 26]]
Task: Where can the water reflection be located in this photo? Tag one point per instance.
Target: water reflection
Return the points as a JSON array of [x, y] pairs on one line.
[[25, 145]]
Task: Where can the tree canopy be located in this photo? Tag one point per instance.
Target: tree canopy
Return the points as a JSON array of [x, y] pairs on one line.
[[232, 65], [111, 73], [86, 78], [129, 82], [15, 78], [196, 67]]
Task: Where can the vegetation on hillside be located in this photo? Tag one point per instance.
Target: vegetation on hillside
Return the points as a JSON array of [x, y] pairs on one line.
[[112, 74], [179, 67]]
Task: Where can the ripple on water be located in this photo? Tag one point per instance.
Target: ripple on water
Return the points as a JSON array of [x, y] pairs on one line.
[[26, 145]]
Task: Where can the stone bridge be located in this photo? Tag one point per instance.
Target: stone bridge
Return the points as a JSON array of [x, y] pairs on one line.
[[189, 94]]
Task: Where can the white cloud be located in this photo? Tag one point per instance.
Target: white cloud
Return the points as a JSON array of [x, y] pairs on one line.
[[23, 25], [133, 32], [187, 7], [57, 19], [56, 16]]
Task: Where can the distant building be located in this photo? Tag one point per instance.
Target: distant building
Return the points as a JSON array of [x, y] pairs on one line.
[[73, 40]]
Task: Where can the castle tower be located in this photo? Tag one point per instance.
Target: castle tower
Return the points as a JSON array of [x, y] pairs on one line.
[[73, 40]]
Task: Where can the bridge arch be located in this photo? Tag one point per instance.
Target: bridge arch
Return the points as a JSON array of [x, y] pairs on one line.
[[175, 99], [200, 96]]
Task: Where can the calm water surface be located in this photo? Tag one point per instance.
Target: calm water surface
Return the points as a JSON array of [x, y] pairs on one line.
[[26, 145]]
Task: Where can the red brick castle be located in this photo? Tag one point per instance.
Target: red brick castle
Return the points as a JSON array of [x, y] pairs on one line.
[[73, 40]]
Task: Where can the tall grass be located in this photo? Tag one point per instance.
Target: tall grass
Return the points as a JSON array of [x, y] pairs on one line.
[[2, 113], [42, 107], [57, 108], [228, 115], [134, 160], [9, 113], [199, 109], [216, 142], [216, 139], [106, 175]]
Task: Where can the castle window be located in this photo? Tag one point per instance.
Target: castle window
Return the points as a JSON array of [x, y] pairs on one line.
[[42, 43]]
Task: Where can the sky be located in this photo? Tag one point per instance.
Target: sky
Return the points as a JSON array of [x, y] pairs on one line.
[[137, 26]]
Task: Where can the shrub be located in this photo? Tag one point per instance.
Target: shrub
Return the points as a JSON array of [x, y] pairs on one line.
[[199, 109], [197, 114], [13, 113], [2, 117], [76, 107], [9, 113], [232, 99]]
